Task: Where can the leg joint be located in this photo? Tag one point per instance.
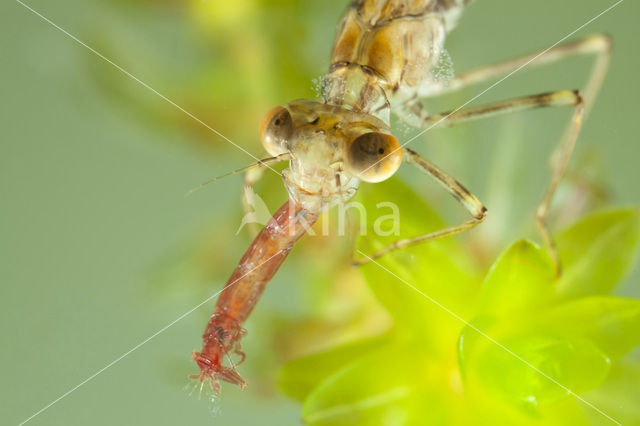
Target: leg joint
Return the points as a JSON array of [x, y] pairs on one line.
[[481, 215]]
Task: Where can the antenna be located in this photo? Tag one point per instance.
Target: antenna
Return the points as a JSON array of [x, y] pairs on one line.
[[260, 163]]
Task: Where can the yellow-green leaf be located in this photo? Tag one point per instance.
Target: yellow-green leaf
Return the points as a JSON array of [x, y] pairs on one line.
[[377, 386], [613, 323], [439, 270], [299, 377], [618, 397], [597, 252], [531, 370], [521, 281]]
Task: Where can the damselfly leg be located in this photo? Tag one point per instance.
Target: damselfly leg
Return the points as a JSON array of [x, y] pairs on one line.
[[459, 192], [560, 157], [597, 44], [413, 112]]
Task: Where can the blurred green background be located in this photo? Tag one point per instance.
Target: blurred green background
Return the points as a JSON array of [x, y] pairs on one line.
[[100, 249]]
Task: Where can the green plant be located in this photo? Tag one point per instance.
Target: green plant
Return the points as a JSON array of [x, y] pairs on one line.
[[514, 345]]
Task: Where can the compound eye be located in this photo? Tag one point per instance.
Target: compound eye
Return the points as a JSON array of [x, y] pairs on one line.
[[373, 157], [275, 130]]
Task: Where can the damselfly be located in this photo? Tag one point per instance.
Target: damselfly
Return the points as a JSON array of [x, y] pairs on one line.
[[383, 55]]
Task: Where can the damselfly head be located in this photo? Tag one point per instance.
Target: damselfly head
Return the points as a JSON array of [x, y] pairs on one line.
[[332, 148]]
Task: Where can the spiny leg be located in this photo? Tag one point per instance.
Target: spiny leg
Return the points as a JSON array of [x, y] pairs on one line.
[[597, 44], [466, 198], [559, 160], [509, 106], [561, 154]]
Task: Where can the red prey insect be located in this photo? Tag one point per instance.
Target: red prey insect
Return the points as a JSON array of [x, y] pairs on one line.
[[255, 270]]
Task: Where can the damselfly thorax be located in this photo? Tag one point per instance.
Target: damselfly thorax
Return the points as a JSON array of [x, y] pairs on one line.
[[386, 49]]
